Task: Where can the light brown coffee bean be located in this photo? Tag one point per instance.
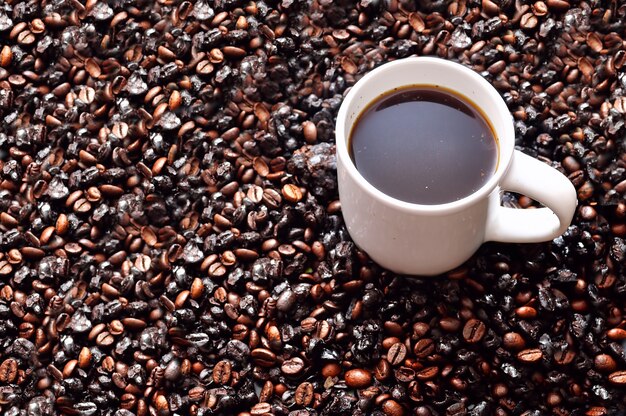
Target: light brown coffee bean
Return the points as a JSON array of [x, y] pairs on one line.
[[84, 358], [292, 367], [382, 370], [396, 353], [616, 334], [260, 409], [618, 377], [263, 357], [358, 378], [292, 193], [513, 340], [6, 56], [222, 372], [309, 131], [474, 331], [392, 408], [8, 371], [424, 347], [304, 394], [604, 363], [526, 312], [530, 355]]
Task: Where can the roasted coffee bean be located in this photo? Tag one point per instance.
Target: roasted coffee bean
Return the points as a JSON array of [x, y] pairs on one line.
[[396, 353], [604, 363], [272, 198], [526, 312], [8, 371], [513, 340], [427, 373], [6, 56], [424, 347], [474, 331], [128, 401], [84, 358], [304, 394], [382, 370], [260, 409], [530, 355], [292, 193], [172, 371], [618, 377], [310, 132], [196, 393], [161, 404], [616, 334], [266, 391], [449, 324], [105, 339], [392, 408], [331, 370], [358, 378], [222, 372], [404, 374], [293, 367], [263, 357]]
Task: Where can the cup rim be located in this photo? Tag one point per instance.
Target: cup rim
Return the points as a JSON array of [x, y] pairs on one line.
[[505, 147]]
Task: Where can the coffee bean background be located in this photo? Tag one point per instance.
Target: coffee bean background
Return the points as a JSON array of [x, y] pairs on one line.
[[171, 237]]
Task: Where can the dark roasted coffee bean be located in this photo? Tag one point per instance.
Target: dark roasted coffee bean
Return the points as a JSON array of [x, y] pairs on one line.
[[427, 373], [266, 391], [196, 393]]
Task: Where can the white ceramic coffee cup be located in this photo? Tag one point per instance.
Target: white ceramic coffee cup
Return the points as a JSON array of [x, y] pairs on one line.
[[431, 239]]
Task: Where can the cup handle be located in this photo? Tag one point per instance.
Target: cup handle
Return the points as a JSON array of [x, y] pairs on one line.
[[542, 183]]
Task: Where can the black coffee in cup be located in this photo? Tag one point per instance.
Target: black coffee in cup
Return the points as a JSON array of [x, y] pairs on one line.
[[424, 144]]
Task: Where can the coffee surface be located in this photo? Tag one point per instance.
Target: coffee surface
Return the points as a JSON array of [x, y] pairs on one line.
[[424, 145]]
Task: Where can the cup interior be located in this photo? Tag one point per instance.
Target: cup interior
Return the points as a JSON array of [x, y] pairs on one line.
[[434, 72]]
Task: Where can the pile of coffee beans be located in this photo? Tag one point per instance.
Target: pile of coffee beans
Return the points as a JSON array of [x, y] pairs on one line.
[[171, 240]]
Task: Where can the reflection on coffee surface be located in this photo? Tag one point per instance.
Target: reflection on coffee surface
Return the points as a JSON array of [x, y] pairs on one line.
[[424, 144]]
